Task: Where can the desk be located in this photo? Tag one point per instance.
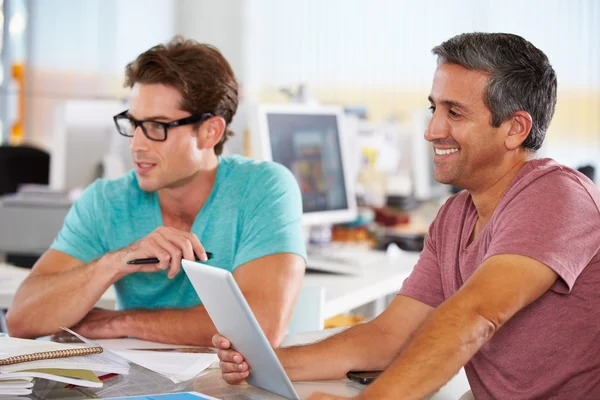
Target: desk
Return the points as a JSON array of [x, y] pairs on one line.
[[344, 292], [142, 381]]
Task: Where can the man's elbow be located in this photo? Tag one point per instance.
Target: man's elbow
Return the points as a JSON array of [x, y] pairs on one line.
[[275, 328], [18, 326], [480, 325], [486, 328], [275, 334]]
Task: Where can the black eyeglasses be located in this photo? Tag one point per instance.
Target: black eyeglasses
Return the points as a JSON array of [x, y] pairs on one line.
[[154, 130]]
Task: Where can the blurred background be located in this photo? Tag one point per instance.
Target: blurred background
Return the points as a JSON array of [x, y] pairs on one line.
[[372, 56]]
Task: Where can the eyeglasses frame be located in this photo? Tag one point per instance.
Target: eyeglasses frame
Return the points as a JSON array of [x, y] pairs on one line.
[[192, 119]]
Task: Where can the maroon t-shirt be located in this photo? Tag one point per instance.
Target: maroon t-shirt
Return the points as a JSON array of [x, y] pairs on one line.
[[551, 348]]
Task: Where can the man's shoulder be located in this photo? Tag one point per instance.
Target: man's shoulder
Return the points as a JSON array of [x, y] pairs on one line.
[[549, 169], [551, 178]]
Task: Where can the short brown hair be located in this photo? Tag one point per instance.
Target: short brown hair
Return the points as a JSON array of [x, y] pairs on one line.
[[198, 71]]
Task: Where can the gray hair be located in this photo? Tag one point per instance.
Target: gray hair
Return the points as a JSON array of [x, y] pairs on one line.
[[521, 77]]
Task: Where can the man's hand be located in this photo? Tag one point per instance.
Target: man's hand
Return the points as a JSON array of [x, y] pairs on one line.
[[97, 324], [233, 367], [169, 245]]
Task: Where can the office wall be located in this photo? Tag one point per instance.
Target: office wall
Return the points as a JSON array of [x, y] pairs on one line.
[[348, 51], [78, 49]]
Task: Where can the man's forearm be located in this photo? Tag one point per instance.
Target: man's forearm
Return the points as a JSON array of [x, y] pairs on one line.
[[191, 326], [362, 347], [445, 343], [45, 302]]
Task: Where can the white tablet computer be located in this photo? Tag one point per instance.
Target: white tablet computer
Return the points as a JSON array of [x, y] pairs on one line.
[[234, 319]]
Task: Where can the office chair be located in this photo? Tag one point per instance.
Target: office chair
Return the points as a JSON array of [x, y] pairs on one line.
[[22, 164], [589, 171]]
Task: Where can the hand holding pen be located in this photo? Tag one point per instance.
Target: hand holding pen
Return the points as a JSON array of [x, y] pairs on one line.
[[163, 248], [154, 260]]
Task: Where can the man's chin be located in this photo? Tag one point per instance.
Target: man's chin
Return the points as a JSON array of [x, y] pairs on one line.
[[147, 186], [443, 179]]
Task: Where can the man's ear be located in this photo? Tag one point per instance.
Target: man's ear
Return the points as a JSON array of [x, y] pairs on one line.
[[519, 127], [211, 132]]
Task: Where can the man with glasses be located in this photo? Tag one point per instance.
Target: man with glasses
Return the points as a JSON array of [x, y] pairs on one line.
[[182, 200]]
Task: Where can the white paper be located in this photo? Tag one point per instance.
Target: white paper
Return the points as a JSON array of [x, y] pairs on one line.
[[177, 367], [15, 392], [52, 377], [6, 378], [16, 384]]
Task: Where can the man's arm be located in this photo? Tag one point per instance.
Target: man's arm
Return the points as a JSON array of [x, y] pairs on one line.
[[59, 291], [369, 346], [270, 285], [503, 285]]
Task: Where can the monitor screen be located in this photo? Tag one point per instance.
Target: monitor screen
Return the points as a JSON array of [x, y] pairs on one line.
[[309, 146]]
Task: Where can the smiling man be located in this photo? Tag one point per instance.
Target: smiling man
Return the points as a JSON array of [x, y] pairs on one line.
[[182, 198], [507, 283]]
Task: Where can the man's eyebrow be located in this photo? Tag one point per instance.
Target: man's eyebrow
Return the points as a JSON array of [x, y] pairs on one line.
[[451, 103], [152, 117]]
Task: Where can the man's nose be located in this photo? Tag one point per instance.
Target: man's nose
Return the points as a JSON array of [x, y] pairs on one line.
[[437, 128], [139, 141]]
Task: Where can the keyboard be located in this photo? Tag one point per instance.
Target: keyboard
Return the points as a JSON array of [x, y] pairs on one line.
[[346, 260]]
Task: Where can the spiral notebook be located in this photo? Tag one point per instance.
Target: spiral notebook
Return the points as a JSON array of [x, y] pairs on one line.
[[22, 360], [16, 351]]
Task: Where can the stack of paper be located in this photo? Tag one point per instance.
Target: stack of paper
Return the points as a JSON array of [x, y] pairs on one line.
[[17, 372], [16, 387]]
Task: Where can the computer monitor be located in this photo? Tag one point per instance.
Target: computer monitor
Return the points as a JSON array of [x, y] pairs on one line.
[[425, 187], [310, 140], [86, 145]]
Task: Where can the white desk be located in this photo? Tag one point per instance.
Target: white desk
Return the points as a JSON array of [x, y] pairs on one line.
[[344, 292]]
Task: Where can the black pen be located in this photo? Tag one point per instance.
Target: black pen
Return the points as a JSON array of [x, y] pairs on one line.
[[137, 261]]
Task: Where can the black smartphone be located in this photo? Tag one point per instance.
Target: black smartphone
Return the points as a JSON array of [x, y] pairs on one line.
[[363, 377]]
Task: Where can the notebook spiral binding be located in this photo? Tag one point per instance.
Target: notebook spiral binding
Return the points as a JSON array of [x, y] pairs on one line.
[[46, 355]]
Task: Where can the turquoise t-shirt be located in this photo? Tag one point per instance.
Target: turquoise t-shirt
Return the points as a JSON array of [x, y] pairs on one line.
[[254, 210]]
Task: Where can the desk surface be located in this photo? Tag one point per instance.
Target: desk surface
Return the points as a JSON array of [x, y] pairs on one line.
[[141, 381], [345, 292]]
